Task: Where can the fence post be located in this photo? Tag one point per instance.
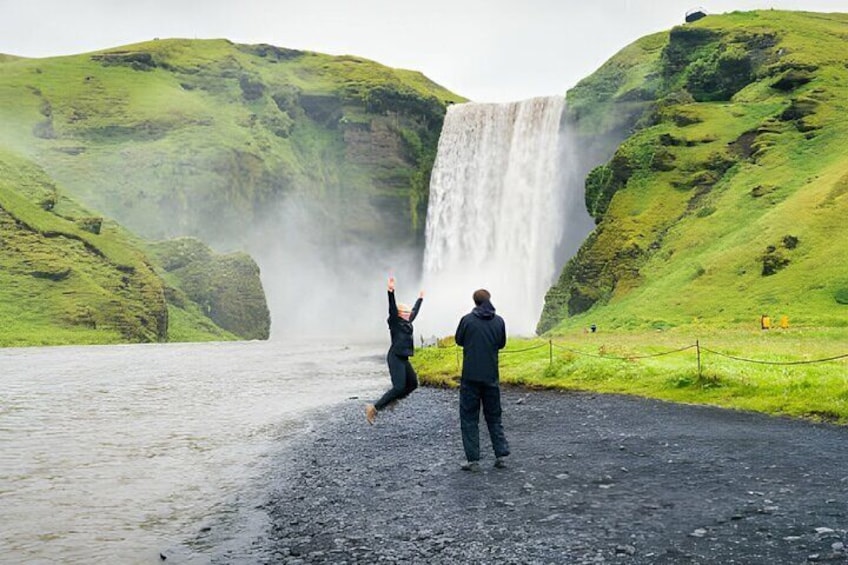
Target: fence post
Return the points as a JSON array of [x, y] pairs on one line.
[[550, 352], [698, 350]]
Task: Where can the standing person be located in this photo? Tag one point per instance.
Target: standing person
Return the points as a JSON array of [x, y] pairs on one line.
[[481, 334], [404, 379]]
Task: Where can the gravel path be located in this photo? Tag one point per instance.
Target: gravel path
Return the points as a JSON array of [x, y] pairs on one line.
[[591, 479]]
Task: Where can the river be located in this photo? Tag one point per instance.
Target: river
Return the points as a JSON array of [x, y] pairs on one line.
[[117, 454]]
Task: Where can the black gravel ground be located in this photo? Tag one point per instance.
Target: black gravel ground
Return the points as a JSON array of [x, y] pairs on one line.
[[591, 479]]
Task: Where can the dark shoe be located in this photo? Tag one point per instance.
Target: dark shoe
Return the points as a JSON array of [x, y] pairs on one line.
[[500, 463], [473, 466]]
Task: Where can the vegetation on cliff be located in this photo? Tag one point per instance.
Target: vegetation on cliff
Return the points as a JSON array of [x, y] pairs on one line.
[[178, 138], [725, 201], [226, 288], [66, 276], [204, 138]]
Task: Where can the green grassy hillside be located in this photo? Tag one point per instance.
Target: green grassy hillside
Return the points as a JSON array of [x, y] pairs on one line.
[[69, 277], [727, 199], [177, 138], [205, 137], [64, 276]]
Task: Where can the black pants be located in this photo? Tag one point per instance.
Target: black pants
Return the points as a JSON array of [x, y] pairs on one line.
[[404, 380], [471, 396]]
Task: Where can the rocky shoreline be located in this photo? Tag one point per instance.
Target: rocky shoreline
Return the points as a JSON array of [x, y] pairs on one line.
[[591, 479]]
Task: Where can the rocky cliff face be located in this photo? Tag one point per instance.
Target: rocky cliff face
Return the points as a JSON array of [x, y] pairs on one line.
[[225, 287]]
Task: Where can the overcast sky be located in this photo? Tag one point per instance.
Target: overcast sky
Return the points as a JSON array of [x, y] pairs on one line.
[[486, 50]]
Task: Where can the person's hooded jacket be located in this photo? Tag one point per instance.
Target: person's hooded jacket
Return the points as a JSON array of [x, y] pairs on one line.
[[481, 334], [403, 344]]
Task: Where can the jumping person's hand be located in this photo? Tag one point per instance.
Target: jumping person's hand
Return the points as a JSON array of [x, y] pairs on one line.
[[421, 294], [391, 284]]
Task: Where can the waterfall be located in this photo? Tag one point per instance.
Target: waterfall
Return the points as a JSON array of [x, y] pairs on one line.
[[496, 213]]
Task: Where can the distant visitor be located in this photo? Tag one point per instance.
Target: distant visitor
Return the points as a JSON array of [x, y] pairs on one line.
[[404, 379]]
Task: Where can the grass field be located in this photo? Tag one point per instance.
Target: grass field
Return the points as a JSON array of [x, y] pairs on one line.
[[786, 379]]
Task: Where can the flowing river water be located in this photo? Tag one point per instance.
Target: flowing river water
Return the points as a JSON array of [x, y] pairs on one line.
[[115, 454]]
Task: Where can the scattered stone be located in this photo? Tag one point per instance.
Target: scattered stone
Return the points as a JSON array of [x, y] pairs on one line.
[[550, 518], [393, 493], [626, 549]]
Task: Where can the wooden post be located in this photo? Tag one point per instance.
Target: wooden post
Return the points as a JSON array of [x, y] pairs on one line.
[[698, 350]]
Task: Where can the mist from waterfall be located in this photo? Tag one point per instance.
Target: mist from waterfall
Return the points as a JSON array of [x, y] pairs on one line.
[[499, 203]]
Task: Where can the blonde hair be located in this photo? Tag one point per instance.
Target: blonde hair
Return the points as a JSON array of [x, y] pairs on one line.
[[404, 307]]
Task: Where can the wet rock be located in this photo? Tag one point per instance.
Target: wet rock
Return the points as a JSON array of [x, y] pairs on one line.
[[550, 518], [625, 549]]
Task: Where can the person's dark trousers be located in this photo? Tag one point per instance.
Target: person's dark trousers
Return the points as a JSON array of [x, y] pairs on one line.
[[471, 396], [404, 380]]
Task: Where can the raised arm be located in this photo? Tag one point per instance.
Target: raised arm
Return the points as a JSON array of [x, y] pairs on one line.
[[417, 306], [393, 310]]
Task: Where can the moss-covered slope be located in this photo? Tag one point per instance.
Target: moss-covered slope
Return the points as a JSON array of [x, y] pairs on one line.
[[727, 200], [225, 287], [68, 277], [205, 137]]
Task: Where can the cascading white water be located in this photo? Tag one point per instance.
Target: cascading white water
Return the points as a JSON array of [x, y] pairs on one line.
[[496, 212]]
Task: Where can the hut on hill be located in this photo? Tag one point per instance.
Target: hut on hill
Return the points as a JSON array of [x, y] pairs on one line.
[[695, 14]]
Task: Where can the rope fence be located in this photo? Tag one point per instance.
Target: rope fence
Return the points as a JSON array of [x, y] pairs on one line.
[[696, 346], [628, 358], [763, 362]]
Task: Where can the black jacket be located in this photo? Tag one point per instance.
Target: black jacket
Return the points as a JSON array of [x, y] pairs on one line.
[[400, 329], [481, 334]]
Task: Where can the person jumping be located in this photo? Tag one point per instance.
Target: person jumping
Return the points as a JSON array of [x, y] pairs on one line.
[[404, 379]]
